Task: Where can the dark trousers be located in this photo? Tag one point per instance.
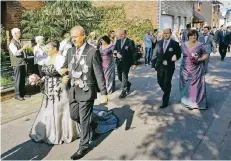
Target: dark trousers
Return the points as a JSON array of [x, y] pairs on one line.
[[228, 48], [19, 78], [223, 50], [148, 55], [81, 112], [123, 72], [38, 70], [164, 78]]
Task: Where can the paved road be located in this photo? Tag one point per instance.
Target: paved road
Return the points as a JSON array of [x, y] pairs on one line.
[[146, 132]]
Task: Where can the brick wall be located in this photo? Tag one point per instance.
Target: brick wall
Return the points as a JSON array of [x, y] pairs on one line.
[[140, 9], [14, 10]]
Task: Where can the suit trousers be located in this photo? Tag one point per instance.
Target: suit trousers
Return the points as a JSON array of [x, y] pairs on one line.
[[81, 112], [123, 72], [223, 50], [164, 79], [20, 78]]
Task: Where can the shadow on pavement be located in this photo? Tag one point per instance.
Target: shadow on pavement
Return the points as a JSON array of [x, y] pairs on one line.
[[27, 151]]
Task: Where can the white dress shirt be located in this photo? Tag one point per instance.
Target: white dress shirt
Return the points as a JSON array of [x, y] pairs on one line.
[[167, 42], [81, 50], [14, 49], [39, 55]]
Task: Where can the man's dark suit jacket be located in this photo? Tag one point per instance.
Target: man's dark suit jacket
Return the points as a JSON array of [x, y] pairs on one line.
[[227, 38], [95, 75], [159, 56], [128, 53]]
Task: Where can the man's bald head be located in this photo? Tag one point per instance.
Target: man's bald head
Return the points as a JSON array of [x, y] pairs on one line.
[[79, 29], [123, 34], [167, 33], [78, 36]]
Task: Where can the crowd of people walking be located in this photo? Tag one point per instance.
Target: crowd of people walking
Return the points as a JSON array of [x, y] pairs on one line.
[[74, 71]]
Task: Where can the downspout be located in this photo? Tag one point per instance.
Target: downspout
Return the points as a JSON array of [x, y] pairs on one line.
[[159, 12]]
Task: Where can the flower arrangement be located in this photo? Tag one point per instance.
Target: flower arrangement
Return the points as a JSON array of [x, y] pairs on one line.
[[34, 79], [194, 58]]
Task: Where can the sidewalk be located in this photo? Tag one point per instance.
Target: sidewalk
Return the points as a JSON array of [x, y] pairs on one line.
[[216, 144]]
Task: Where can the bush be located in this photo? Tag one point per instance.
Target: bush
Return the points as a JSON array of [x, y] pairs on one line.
[[58, 17]]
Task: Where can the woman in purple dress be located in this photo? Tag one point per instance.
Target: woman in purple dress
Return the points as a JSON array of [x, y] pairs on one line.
[[192, 73], [108, 64]]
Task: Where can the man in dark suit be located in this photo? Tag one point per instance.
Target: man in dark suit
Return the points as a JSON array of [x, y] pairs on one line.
[[223, 39], [85, 77], [167, 51], [125, 57]]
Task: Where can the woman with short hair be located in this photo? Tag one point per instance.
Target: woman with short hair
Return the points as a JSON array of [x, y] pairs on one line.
[[108, 64], [192, 73], [53, 123]]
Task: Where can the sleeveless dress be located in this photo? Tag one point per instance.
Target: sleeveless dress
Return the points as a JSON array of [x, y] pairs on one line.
[[192, 79], [53, 124]]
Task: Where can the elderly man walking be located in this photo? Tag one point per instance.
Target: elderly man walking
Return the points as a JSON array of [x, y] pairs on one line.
[[85, 77]]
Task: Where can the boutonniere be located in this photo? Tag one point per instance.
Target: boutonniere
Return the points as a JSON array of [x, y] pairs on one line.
[[170, 49], [126, 47]]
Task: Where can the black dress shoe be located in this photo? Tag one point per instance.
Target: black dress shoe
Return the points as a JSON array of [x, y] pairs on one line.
[[19, 98], [123, 94], [79, 154], [129, 87], [164, 106], [27, 96]]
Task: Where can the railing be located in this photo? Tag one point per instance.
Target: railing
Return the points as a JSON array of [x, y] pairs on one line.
[[7, 72]]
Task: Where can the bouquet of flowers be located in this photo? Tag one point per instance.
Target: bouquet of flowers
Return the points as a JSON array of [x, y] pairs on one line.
[[34, 79], [194, 58]]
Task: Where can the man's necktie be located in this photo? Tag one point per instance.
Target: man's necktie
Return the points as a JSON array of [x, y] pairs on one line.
[[77, 54], [165, 45]]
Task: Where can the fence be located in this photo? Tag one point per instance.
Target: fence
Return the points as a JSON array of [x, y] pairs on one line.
[[7, 72]]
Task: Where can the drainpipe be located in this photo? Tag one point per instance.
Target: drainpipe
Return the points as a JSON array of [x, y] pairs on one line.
[[159, 12]]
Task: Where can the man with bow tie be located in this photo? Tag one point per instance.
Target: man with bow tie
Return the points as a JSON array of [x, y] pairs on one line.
[[210, 46], [166, 52], [125, 57], [224, 40]]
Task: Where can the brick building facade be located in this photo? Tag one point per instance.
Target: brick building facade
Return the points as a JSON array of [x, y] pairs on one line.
[[176, 14], [11, 12]]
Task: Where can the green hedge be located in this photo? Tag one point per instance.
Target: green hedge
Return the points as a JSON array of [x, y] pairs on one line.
[[56, 18]]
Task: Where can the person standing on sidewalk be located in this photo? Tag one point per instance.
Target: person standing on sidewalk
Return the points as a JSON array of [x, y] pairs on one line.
[[209, 44], [85, 77], [125, 57], [148, 48], [18, 62], [167, 51], [223, 39]]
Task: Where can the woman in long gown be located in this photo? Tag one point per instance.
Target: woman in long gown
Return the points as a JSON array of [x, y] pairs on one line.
[[192, 73], [53, 124], [108, 64]]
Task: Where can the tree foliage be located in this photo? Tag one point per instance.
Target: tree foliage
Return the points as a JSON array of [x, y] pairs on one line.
[[57, 17]]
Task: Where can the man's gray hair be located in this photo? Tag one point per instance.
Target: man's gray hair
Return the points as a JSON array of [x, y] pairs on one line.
[[37, 38], [79, 28], [14, 31]]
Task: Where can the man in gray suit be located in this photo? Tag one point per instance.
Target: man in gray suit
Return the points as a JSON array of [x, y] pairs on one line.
[[85, 78], [185, 33], [209, 43]]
